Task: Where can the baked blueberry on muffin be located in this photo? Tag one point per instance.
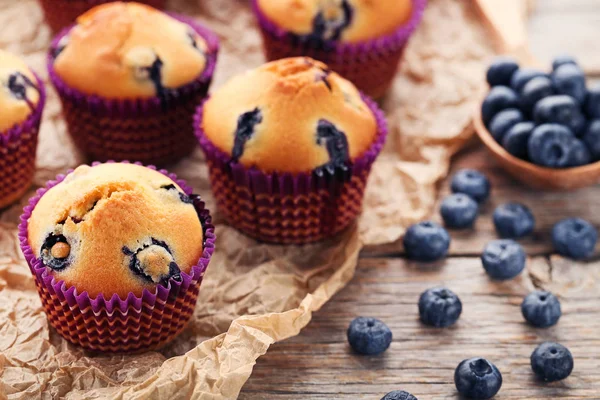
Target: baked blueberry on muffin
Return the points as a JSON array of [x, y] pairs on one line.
[[363, 40], [62, 13], [116, 228], [129, 78], [121, 241], [21, 104], [289, 146]]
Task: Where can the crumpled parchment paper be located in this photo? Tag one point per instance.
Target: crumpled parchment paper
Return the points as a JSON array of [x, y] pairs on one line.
[[253, 294]]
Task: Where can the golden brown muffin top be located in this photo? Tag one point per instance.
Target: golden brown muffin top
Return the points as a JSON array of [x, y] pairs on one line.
[[116, 228], [19, 93], [346, 20], [292, 115], [129, 50]]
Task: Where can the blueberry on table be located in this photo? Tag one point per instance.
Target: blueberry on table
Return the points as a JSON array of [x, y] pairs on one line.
[[574, 238], [579, 154], [498, 99], [513, 220], [562, 60], [591, 138], [550, 145], [369, 336], [541, 309], [501, 71], [560, 109], [503, 121], [477, 378], [503, 259], [399, 395], [535, 90], [426, 241], [552, 362], [472, 183], [459, 211], [522, 76], [515, 141], [439, 307], [592, 102], [569, 79]]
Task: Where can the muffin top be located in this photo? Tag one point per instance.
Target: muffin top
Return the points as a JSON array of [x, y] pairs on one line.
[[291, 115], [116, 228], [346, 20], [129, 50], [20, 93]]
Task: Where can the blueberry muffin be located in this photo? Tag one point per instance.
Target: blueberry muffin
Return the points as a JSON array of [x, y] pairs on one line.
[[21, 104], [283, 134], [362, 40], [60, 14], [129, 78], [116, 228]]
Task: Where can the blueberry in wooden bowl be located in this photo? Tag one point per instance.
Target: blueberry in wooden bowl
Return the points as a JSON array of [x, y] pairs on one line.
[[544, 131]]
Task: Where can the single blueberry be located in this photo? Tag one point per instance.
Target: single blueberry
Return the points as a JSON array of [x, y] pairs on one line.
[[399, 395], [535, 90], [552, 362], [336, 143], [516, 139], [472, 183], [426, 241], [246, 125], [503, 259], [477, 378], [326, 28], [560, 109], [562, 60], [522, 76], [503, 121], [498, 99], [574, 238], [513, 220], [550, 145], [592, 102], [51, 257], [153, 262], [369, 336], [592, 138], [569, 79], [439, 307], [501, 71], [579, 154], [541, 309], [459, 211]]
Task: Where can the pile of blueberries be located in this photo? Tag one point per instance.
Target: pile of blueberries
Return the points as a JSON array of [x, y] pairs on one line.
[[552, 120], [502, 259]]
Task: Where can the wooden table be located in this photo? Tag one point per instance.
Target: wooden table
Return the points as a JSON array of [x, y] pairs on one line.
[[319, 364]]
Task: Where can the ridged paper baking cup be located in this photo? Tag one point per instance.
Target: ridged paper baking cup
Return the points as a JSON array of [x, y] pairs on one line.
[[286, 208], [17, 153], [113, 324], [62, 13], [371, 65], [147, 130]]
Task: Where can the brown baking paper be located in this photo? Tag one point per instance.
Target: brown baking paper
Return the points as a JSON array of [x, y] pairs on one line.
[[253, 294]]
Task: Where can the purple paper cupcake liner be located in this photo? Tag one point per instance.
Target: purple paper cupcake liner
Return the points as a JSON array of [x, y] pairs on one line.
[[115, 324], [290, 208], [154, 130], [370, 64], [18, 146]]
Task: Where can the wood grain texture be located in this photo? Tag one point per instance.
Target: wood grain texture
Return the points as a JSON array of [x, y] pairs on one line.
[[319, 364]]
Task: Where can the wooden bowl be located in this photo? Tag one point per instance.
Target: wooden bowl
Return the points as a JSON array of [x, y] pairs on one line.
[[534, 175]]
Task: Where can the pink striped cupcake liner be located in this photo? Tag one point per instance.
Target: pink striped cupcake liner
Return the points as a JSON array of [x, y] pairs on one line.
[[18, 147], [112, 324], [285, 208], [371, 65], [153, 131]]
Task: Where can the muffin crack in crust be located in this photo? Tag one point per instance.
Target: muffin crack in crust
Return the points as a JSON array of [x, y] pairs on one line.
[[116, 228]]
